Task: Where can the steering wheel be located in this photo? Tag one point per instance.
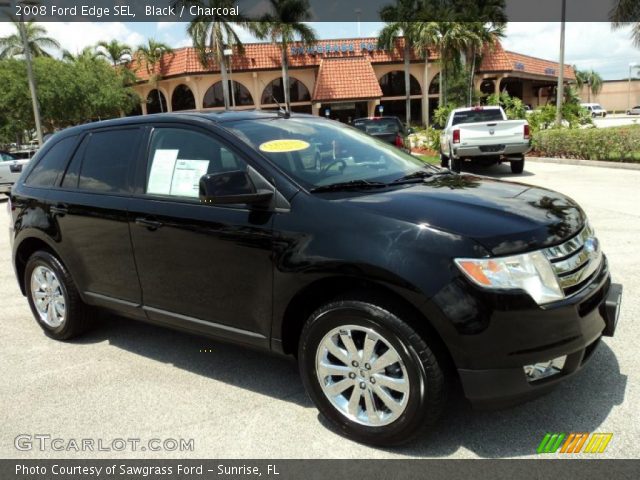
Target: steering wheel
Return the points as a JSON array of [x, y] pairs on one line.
[[340, 162]]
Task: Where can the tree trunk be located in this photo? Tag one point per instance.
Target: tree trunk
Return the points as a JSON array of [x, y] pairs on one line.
[[440, 84], [285, 79], [407, 81], [425, 89], [471, 74], [225, 78], [159, 98]]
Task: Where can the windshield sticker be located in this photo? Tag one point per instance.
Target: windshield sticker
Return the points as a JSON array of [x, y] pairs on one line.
[[284, 145]]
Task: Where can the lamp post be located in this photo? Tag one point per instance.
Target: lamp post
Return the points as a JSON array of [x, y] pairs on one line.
[[632, 65], [30, 76], [560, 89], [228, 52]]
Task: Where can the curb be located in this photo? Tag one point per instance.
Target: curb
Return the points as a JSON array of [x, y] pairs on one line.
[[586, 163]]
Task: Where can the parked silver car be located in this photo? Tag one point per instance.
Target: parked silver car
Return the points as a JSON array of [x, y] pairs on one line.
[[10, 170], [634, 111]]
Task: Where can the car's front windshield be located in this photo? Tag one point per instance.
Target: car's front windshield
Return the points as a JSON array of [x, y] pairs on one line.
[[318, 152]]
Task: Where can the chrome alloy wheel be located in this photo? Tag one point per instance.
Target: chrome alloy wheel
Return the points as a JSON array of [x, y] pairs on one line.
[[362, 375], [47, 296]]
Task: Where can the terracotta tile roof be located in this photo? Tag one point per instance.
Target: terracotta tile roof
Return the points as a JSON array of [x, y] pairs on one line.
[[346, 79], [496, 59], [266, 56]]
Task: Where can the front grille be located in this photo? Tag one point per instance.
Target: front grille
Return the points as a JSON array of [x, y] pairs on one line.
[[575, 261], [491, 148]]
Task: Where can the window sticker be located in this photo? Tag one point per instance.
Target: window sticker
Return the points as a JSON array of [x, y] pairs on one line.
[[162, 167], [186, 177], [283, 145]]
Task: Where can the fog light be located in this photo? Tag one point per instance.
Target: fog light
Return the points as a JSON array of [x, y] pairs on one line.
[[541, 370]]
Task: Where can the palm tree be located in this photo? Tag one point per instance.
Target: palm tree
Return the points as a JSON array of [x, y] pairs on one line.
[[591, 78], [12, 46], [87, 54], [212, 35], [627, 12], [283, 26], [396, 17], [114, 51], [481, 35], [452, 38], [426, 37], [151, 54]]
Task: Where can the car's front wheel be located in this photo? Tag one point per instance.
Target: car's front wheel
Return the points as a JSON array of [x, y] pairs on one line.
[[369, 373], [53, 297]]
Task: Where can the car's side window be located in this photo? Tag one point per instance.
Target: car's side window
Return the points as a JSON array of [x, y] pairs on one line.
[[107, 158], [179, 157], [47, 170]]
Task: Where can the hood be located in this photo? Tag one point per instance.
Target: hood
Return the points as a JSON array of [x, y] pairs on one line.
[[504, 217]]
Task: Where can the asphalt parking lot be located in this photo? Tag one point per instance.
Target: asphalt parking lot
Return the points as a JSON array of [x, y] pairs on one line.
[[132, 380]]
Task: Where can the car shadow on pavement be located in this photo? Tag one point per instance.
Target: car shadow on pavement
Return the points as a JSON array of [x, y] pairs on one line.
[[579, 404], [502, 171], [235, 365]]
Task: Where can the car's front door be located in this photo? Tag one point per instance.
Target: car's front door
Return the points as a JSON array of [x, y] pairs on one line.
[[202, 267]]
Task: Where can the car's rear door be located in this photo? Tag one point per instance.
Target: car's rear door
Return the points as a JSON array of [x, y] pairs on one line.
[[202, 267], [90, 208]]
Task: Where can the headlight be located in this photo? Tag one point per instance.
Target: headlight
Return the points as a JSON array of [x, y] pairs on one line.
[[530, 272]]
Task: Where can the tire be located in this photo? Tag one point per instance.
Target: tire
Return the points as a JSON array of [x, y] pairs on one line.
[[444, 160], [455, 165], [517, 166], [417, 370], [44, 273]]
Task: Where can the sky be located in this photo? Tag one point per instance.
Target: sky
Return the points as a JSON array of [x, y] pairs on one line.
[[588, 45]]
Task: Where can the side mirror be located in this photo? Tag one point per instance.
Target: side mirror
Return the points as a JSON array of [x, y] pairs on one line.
[[235, 187]]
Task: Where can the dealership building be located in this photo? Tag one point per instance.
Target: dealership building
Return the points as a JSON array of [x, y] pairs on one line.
[[342, 79]]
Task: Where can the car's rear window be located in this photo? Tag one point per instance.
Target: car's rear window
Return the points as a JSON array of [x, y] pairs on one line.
[[477, 116], [374, 126]]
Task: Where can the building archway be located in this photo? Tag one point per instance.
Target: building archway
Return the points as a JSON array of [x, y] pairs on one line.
[[214, 96], [392, 84], [182, 99], [434, 85], [298, 92], [156, 102]]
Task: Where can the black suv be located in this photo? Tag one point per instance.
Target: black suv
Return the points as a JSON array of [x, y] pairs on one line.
[[386, 278], [387, 129]]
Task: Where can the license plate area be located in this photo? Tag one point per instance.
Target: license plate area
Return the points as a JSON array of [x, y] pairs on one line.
[[491, 148], [15, 168]]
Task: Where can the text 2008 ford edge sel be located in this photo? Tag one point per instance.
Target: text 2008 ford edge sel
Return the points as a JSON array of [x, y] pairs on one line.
[[386, 278]]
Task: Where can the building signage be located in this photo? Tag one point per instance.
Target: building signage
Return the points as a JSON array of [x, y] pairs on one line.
[[334, 48]]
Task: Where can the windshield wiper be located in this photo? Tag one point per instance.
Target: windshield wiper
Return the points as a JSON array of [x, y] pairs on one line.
[[351, 185]]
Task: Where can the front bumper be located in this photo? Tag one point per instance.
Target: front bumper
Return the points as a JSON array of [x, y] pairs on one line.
[[578, 323]]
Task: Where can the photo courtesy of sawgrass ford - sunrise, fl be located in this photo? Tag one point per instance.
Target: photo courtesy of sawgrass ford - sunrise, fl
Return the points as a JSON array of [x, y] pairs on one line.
[[319, 239]]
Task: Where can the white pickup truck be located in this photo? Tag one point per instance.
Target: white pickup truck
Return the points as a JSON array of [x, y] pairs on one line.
[[484, 135]]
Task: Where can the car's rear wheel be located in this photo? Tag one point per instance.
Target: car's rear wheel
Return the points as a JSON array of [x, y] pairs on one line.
[[517, 166], [369, 373], [53, 297]]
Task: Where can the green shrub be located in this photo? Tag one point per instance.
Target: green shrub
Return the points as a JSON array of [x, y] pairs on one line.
[[613, 143]]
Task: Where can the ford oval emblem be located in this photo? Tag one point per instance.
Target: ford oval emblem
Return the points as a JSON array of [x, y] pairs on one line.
[[591, 245]]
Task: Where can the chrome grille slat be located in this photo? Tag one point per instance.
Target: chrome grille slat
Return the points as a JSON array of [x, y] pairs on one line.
[[572, 262]]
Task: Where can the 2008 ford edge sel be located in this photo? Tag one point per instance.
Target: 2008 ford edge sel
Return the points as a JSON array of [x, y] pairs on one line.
[[386, 278]]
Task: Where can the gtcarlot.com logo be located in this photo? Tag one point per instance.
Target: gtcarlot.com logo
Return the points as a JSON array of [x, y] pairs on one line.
[[45, 442], [574, 443]]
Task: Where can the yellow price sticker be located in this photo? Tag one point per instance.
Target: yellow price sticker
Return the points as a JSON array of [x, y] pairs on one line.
[[284, 145]]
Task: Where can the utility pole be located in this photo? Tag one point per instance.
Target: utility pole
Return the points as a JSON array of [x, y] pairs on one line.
[[631, 67], [560, 88]]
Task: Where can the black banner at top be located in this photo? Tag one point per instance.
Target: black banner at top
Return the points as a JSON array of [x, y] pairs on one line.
[[321, 10]]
